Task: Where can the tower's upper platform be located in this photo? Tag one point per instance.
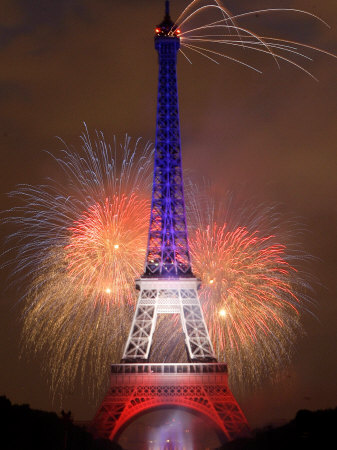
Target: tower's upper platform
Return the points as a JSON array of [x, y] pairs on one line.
[[167, 28]]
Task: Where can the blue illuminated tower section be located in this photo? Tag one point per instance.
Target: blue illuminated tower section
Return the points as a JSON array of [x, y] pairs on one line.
[[167, 253]]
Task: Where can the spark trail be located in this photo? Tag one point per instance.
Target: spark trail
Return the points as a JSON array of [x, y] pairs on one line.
[[207, 27], [252, 298], [79, 246]]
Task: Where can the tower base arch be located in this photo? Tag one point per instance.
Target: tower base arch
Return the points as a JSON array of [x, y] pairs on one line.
[[199, 387]]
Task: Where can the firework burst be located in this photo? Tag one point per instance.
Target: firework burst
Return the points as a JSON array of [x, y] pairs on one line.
[[106, 248], [207, 27], [249, 299], [79, 247]]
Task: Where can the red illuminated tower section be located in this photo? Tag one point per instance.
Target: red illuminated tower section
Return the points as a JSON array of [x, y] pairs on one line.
[[168, 286]]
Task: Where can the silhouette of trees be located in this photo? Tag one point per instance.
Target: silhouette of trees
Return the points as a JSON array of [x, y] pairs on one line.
[[309, 430], [24, 428]]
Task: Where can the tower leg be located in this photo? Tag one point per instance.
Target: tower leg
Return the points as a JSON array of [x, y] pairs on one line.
[[139, 342], [197, 339], [198, 342]]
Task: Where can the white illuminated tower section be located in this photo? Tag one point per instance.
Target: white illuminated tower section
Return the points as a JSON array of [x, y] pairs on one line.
[[168, 286]]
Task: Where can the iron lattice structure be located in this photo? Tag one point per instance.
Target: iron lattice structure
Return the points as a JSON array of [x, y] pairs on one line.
[[167, 252], [168, 286], [169, 296], [200, 387]]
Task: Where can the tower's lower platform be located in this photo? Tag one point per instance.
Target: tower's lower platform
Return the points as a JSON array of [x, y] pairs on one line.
[[201, 387]]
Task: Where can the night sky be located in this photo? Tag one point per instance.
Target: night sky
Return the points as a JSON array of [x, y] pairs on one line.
[[271, 136]]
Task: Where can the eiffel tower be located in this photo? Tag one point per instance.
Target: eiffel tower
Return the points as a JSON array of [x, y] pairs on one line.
[[168, 286]]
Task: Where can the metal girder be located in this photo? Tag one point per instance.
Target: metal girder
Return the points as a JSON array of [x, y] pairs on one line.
[[176, 296], [167, 252]]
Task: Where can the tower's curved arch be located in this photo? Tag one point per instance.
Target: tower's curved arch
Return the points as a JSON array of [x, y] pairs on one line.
[[174, 406], [200, 387], [158, 404]]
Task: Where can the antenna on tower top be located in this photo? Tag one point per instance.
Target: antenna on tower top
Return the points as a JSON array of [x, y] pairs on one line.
[[167, 9], [167, 27]]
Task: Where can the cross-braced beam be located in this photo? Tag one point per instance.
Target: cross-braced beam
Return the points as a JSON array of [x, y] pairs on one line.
[[171, 297]]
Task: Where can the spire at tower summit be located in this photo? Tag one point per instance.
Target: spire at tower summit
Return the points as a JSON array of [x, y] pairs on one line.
[[167, 26]]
